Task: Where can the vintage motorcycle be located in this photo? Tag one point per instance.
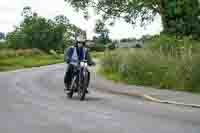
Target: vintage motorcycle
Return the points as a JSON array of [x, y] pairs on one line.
[[80, 79]]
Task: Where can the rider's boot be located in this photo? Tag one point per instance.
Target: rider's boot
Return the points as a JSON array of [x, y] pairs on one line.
[[66, 87], [87, 91]]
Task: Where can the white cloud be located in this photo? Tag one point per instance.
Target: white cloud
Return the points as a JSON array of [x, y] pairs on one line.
[[9, 14], [128, 30], [10, 11]]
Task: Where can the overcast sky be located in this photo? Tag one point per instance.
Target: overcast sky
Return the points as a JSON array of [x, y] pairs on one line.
[[10, 15]]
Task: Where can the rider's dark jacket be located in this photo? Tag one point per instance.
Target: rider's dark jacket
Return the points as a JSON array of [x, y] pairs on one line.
[[80, 53]]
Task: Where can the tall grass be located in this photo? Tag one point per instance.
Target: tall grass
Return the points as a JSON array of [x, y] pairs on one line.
[[155, 68], [97, 54]]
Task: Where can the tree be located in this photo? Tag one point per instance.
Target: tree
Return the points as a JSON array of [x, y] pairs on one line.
[[38, 32], [27, 12], [2, 36], [180, 17], [102, 31], [61, 19], [16, 39]]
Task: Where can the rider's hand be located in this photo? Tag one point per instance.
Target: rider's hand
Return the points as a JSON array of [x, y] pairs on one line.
[[93, 63]]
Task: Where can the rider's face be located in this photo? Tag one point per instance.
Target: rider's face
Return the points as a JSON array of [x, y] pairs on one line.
[[80, 44]]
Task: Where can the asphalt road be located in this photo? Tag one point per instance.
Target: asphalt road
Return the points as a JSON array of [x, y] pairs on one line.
[[33, 101]]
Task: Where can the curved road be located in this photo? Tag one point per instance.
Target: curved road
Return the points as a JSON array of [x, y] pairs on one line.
[[32, 101]]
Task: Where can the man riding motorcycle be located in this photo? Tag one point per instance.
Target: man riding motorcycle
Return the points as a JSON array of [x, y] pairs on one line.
[[74, 55]]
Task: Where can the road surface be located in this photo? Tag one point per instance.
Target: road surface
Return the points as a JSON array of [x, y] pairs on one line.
[[32, 101]]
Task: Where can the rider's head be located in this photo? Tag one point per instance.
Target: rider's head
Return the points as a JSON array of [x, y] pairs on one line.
[[80, 39]]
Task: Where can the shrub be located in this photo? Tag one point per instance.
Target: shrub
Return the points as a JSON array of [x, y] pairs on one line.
[[3, 45], [29, 52], [5, 53], [54, 53], [44, 34], [98, 48], [111, 46]]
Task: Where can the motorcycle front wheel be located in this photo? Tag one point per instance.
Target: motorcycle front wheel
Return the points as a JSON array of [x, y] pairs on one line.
[[72, 87], [82, 87]]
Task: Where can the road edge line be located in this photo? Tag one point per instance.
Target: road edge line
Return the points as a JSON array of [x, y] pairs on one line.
[[149, 98]]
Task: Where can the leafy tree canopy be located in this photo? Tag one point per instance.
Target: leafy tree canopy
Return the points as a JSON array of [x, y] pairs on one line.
[[180, 17], [38, 32]]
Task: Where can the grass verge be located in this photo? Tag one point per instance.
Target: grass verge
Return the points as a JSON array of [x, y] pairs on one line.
[[20, 62], [97, 55]]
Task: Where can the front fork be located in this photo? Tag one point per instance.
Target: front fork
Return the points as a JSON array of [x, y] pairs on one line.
[[83, 74]]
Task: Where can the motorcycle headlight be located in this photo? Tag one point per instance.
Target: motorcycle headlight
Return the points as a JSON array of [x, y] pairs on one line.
[[82, 64]]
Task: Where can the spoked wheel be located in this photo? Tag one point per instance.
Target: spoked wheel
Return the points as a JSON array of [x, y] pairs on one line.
[[73, 85], [82, 88], [70, 94], [81, 93]]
